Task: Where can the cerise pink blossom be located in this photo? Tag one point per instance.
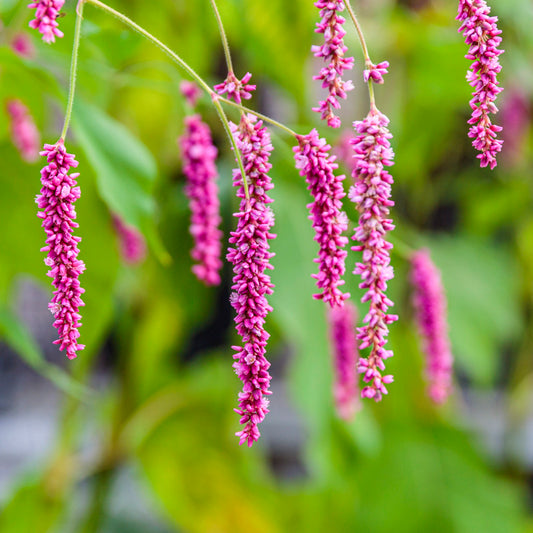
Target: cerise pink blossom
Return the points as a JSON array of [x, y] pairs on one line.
[[24, 132], [332, 52], [375, 72], [235, 89], [329, 221], [199, 157], [21, 44], [132, 243], [429, 302], [46, 13], [190, 91], [56, 203], [342, 323], [483, 37], [371, 194], [250, 257]]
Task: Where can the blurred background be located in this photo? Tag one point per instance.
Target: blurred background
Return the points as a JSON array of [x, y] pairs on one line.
[[137, 434]]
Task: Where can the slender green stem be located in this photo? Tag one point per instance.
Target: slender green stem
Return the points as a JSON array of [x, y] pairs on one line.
[[73, 68], [223, 36], [177, 59], [225, 123], [259, 115], [362, 40]]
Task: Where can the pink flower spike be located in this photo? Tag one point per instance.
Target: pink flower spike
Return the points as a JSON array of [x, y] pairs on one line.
[[371, 194], [199, 166], [483, 37], [329, 221], [430, 313], [24, 132], [332, 52], [250, 257], [236, 90], [132, 243], [375, 72], [190, 91], [21, 44], [56, 204], [342, 322], [46, 13]]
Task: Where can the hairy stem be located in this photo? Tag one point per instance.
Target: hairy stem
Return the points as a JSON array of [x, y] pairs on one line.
[[223, 36]]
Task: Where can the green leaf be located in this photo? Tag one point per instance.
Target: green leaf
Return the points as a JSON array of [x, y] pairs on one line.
[[20, 339], [125, 170]]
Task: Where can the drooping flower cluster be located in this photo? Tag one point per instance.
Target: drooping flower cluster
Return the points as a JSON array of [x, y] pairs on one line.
[[190, 91], [46, 13], [430, 313], [132, 243], [250, 257], [56, 203], [332, 51], [375, 72], [236, 90], [199, 156], [24, 132], [483, 37], [342, 321], [371, 194], [317, 166], [516, 119], [21, 44]]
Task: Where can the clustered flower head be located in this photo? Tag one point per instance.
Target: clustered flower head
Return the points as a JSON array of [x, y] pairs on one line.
[[236, 90], [56, 203], [371, 194], [250, 257], [329, 221], [332, 51], [21, 44], [199, 156], [190, 91], [342, 321], [46, 13], [430, 312], [483, 36], [132, 243], [24, 132], [375, 72]]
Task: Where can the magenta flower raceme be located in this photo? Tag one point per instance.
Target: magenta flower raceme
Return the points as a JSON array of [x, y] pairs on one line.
[[250, 257], [21, 44], [483, 36], [342, 322], [430, 313], [190, 91], [56, 204], [516, 119], [332, 52], [46, 13], [371, 194], [236, 90], [375, 72], [24, 132], [199, 156], [132, 243], [315, 163]]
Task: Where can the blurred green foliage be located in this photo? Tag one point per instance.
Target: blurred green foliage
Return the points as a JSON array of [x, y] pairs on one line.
[[402, 465]]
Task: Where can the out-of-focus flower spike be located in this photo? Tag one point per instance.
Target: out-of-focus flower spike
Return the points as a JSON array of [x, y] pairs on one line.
[[429, 302], [191, 92], [24, 132], [21, 44], [132, 243]]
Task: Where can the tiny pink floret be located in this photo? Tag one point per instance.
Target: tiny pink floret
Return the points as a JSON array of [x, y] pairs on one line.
[[59, 192], [235, 89], [45, 21]]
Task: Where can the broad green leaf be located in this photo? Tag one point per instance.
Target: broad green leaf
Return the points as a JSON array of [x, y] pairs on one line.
[[125, 170], [20, 339]]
